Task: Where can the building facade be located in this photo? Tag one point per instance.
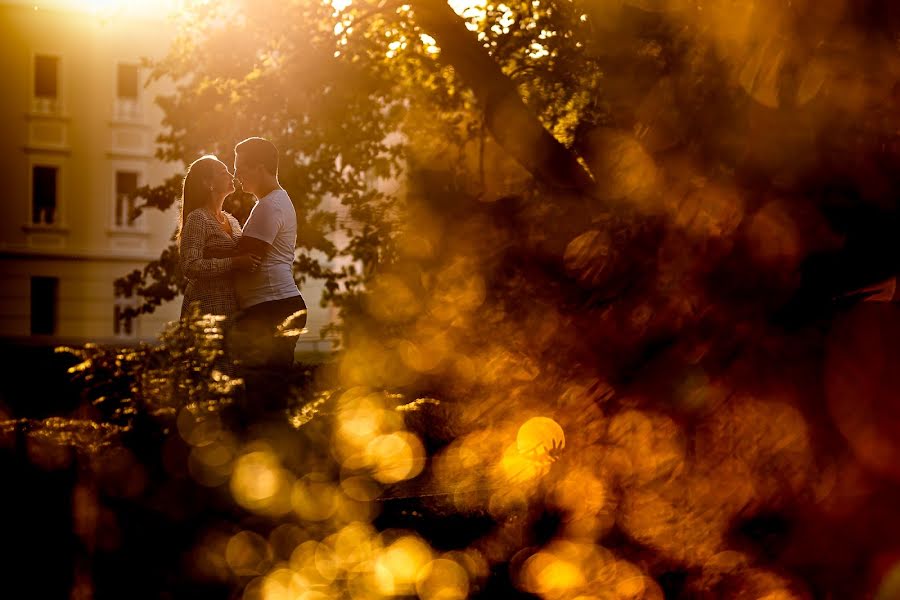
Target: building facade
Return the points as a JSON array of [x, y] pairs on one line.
[[79, 133], [79, 128]]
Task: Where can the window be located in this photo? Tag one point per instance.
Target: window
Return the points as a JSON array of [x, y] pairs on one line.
[[127, 104], [122, 323], [44, 298], [126, 184], [46, 73], [127, 82], [43, 194]]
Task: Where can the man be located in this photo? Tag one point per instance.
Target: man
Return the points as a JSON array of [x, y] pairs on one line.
[[266, 329]]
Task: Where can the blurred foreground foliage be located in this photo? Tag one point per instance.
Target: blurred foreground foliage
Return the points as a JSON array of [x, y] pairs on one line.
[[118, 385], [601, 275]]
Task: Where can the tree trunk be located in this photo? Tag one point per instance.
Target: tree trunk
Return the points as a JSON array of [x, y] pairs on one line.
[[510, 121]]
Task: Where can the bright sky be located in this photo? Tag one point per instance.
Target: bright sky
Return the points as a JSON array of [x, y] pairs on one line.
[[111, 8], [460, 6], [164, 8]]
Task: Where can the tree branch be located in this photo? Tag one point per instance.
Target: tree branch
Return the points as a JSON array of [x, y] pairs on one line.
[[510, 121]]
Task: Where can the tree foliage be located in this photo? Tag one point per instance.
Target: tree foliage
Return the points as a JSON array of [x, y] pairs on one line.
[[361, 93], [648, 219]]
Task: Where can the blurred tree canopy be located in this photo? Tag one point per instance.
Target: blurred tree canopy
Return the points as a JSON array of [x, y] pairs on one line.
[[592, 109], [651, 220]]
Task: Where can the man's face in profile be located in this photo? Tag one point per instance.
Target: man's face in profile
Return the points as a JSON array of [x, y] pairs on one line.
[[245, 174]]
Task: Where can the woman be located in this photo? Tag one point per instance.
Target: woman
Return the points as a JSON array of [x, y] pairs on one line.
[[206, 229]]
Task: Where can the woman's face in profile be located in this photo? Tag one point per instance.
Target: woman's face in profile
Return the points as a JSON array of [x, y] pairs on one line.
[[223, 181]]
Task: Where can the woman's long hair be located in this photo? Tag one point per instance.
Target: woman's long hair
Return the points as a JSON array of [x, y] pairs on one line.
[[195, 190]]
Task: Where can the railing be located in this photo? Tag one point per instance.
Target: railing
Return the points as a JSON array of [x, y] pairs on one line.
[[127, 109], [46, 106]]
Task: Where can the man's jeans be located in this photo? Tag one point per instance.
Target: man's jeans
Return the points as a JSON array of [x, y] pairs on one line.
[[261, 340]]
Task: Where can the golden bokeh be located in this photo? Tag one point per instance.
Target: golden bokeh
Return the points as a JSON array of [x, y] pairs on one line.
[[550, 368], [394, 299], [356, 543], [539, 436], [282, 584], [588, 503], [315, 563], [314, 497], [361, 488], [398, 565], [654, 445], [442, 579], [259, 483], [211, 464], [248, 554], [362, 418], [564, 569], [516, 468], [395, 457]]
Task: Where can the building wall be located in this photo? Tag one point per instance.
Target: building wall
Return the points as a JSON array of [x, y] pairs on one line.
[[87, 134]]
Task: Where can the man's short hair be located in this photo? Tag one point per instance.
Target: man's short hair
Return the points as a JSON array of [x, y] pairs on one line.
[[258, 150]]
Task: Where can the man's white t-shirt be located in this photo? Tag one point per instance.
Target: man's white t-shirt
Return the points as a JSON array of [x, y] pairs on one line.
[[274, 221]]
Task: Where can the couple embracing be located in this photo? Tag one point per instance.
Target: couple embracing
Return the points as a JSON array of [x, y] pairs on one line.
[[244, 274]]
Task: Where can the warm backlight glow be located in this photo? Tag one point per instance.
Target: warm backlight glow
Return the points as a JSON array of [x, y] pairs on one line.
[[395, 457], [109, 9], [442, 579], [314, 498], [551, 576], [539, 435], [397, 568], [260, 484], [465, 7]]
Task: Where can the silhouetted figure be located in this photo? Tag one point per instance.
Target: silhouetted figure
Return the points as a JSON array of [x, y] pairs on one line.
[[272, 311]]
